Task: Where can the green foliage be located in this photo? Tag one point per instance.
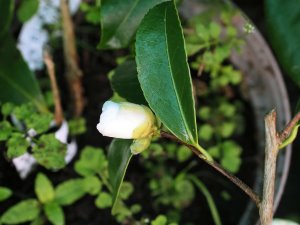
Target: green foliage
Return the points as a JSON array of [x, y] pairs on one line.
[[69, 191], [5, 193], [77, 126], [6, 15], [177, 191], [40, 122], [119, 155], [124, 81], [126, 190], [5, 130], [38, 221], [183, 153], [229, 154], [92, 12], [104, 200], [49, 152], [220, 117], [54, 213], [118, 29], [16, 145], [27, 9], [30, 129], [162, 63], [44, 188], [206, 132], [92, 160], [22, 212], [159, 220], [24, 111], [17, 83], [92, 185], [7, 108], [284, 33]]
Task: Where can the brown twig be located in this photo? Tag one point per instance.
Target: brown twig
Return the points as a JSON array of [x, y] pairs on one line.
[[271, 153], [58, 114], [73, 72], [289, 128], [244, 187]]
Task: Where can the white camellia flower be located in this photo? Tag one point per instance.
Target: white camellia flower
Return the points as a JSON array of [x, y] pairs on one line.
[[126, 120]]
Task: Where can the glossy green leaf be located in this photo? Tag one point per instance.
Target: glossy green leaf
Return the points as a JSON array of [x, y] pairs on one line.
[[69, 191], [119, 155], [6, 13], [5, 193], [22, 212], [43, 188], [54, 213], [163, 71], [27, 9], [283, 23], [125, 82], [120, 19], [17, 82]]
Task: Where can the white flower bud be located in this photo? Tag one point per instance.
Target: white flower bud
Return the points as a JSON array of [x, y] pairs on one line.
[[126, 120]]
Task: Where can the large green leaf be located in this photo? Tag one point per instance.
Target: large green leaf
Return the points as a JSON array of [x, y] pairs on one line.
[[6, 11], [120, 19], [17, 82], [283, 22], [22, 212], [125, 82], [119, 155], [43, 188], [163, 71]]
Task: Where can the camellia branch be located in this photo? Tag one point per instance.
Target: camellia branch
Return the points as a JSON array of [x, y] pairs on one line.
[[273, 141], [73, 72], [271, 153], [58, 114], [244, 187]]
